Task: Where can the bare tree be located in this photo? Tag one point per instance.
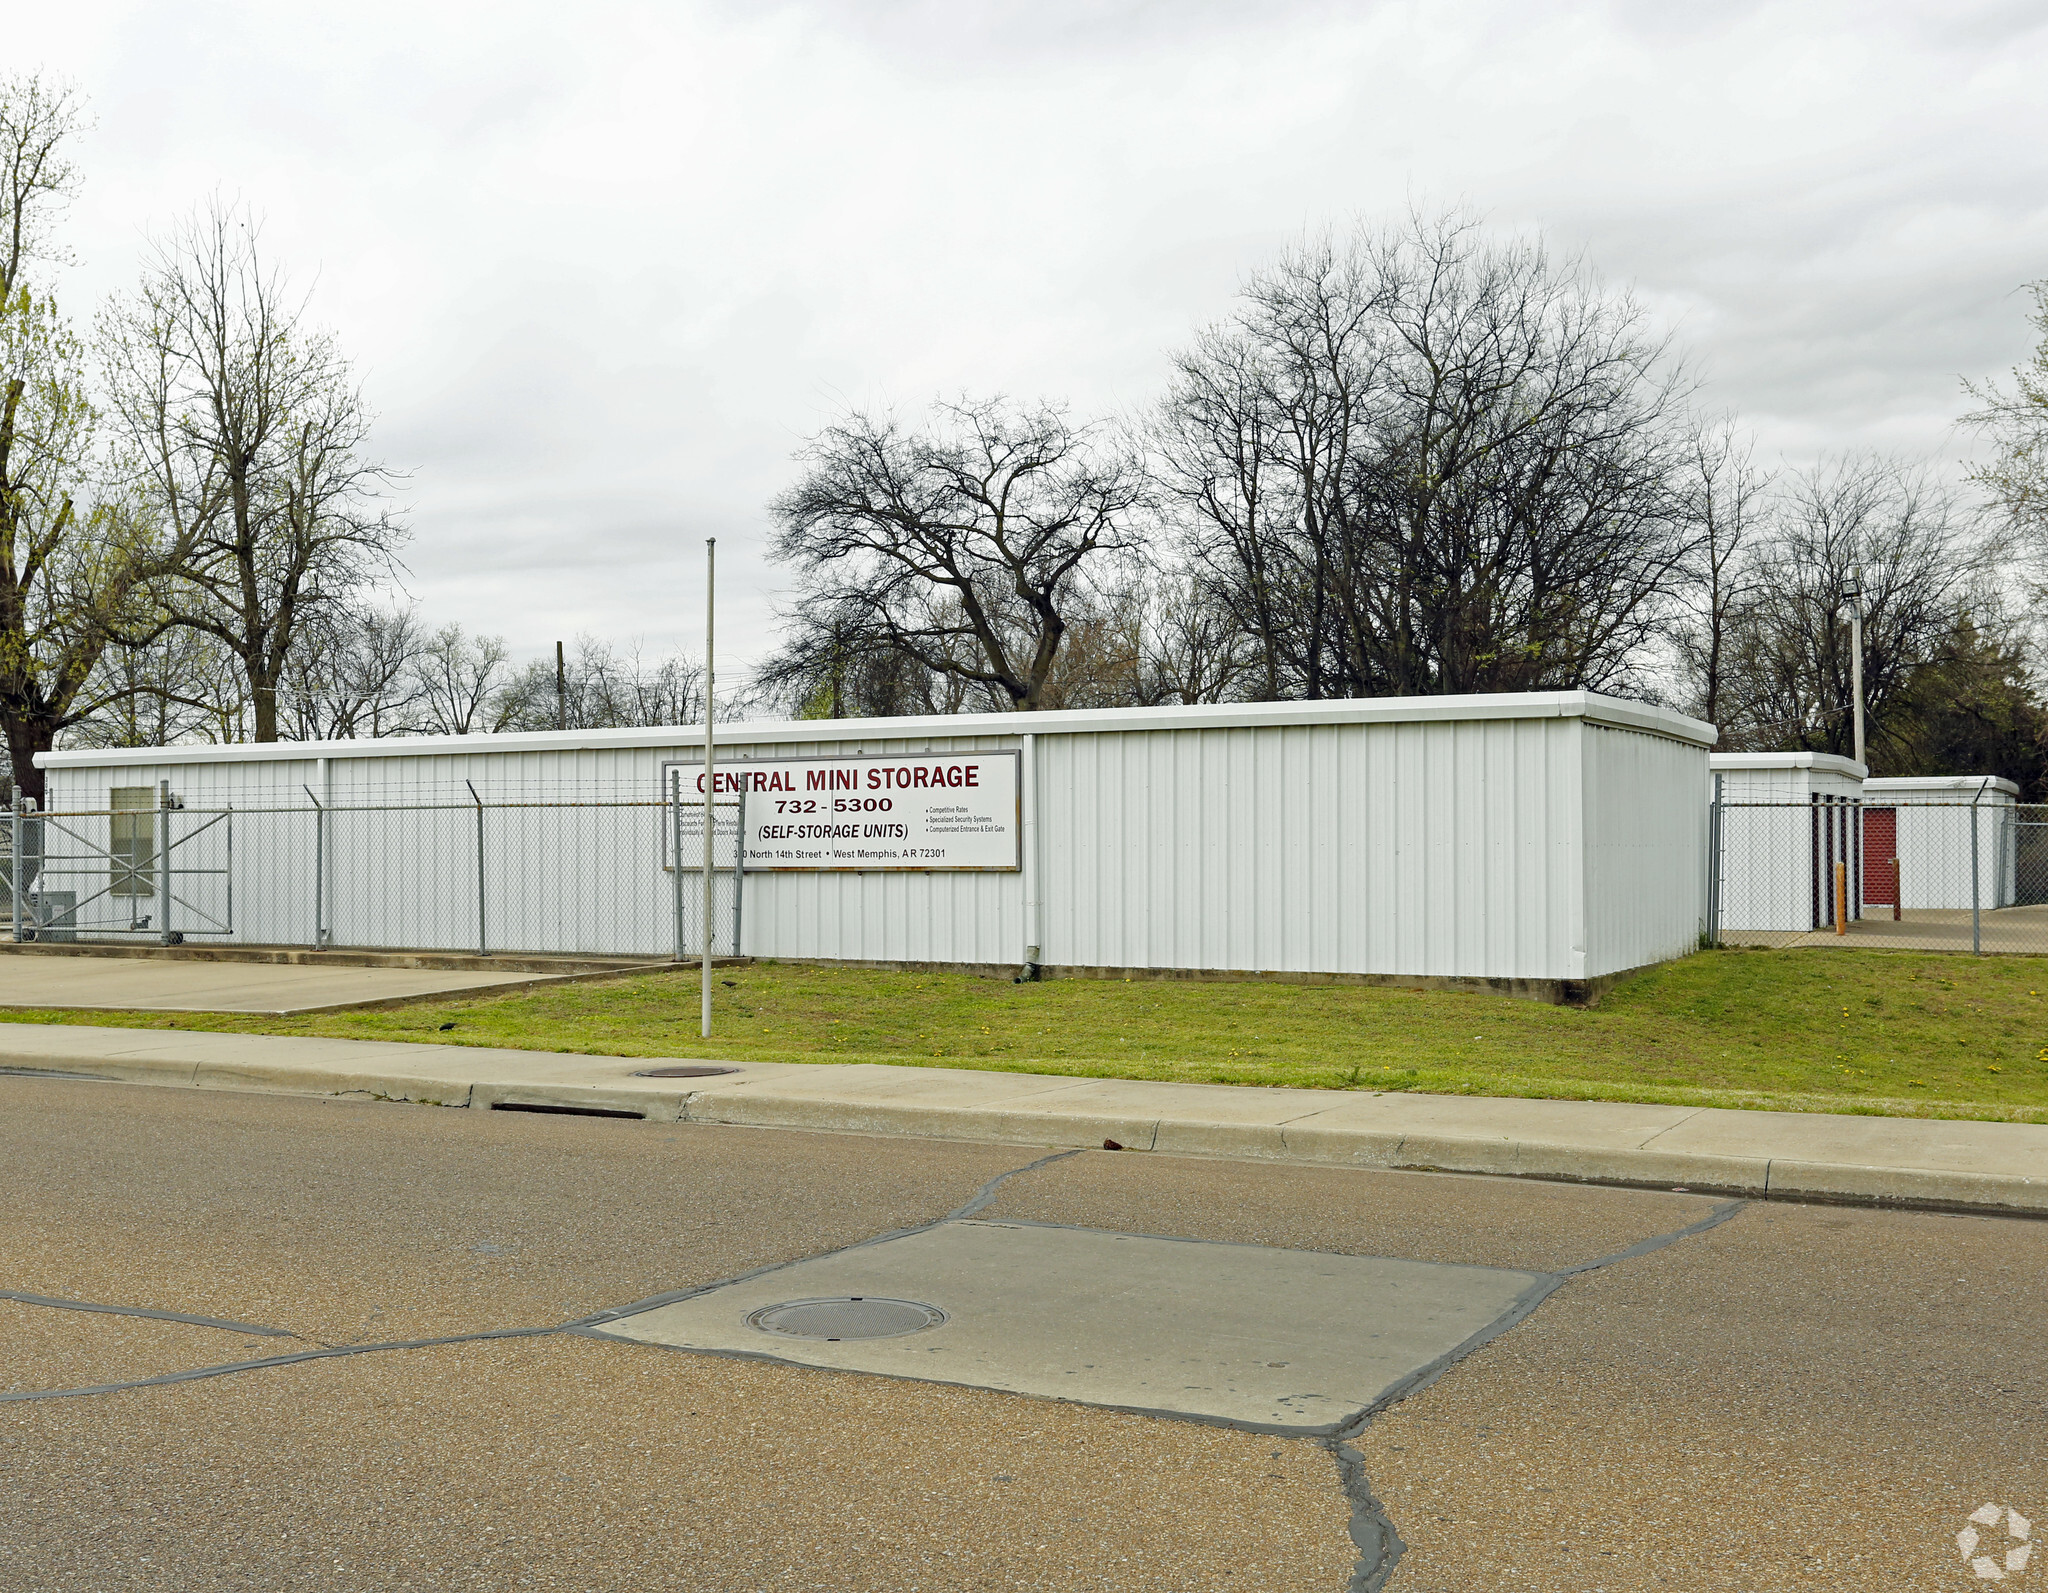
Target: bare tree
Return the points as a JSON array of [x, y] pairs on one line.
[[1420, 461], [1193, 652], [353, 674], [179, 685], [1727, 501], [961, 546], [1922, 567], [248, 431], [1101, 663], [604, 689], [1224, 440], [459, 677], [835, 662]]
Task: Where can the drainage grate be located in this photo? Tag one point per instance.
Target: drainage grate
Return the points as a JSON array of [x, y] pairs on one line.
[[56, 1073], [849, 1317], [566, 1111], [682, 1073]]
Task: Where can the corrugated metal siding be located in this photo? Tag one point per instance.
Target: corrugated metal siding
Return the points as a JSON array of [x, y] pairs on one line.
[[272, 855], [557, 878], [1646, 841], [1390, 845], [1785, 785], [1767, 843], [1412, 849], [1934, 825], [1765, 785]]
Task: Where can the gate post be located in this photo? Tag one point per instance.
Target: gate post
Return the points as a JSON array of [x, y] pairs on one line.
[[1714, 866], [319, 869], [482, 943], [14, 834], [165, 934], [739, 864], [1976, 887], [675, 856]]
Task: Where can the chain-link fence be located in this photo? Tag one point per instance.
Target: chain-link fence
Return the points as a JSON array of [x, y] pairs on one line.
[[1946, 875], [418, 869], [621, 877]]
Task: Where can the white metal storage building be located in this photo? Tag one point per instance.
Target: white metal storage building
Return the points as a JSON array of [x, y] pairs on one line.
[[1786, 819], [1530, 841], [1928, 824]]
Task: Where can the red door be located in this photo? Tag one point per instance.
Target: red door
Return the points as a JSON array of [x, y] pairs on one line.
[[1880, 852]]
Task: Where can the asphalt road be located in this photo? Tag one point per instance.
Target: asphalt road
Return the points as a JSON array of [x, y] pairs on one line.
[[1794, 1397]]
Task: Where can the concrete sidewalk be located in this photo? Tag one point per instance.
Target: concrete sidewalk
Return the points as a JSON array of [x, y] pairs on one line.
[[275, 981], [1890, 1160]]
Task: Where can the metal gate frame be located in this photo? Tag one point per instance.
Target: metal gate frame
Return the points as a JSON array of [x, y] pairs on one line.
[[28, 831]]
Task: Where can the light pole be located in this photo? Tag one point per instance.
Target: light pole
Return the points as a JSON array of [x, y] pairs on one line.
[[1856, 653]]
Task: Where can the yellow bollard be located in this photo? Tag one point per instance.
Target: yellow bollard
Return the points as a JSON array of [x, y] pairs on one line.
[[1841, 898]]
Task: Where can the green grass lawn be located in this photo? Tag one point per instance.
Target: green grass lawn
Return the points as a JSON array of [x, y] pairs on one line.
[[1812, 1030]]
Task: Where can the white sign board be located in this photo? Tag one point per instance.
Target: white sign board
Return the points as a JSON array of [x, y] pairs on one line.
[[925, 810]]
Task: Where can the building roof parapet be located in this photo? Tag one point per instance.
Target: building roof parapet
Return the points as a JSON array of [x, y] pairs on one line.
[[1593, 707]]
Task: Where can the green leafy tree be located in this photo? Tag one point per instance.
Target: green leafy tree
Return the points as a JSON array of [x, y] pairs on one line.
[[1973, 708], [77, 559]]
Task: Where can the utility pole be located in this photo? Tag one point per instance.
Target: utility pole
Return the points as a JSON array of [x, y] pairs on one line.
[[710, 746], [561, 690], [1856, 653]]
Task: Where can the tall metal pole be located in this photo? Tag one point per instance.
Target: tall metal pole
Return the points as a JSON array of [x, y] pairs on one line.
[[1856, 657], [710, 748], [1027, 772], [561, 690]]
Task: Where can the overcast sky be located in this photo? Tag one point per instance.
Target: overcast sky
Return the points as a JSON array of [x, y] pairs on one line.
[[604, 266]]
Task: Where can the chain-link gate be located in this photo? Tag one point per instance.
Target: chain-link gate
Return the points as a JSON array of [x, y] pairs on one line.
[[144, 868], [1908, 875], [413, 874]]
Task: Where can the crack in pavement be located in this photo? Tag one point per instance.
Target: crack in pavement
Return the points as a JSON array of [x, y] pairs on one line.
[[148, 1312], [194, 1374], [581, 1327], [1372, 1531], [986, 1196], [1643, 1247]]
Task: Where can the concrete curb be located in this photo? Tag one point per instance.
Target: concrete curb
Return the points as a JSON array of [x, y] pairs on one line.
[[1753, 1177], [1930, 1163]]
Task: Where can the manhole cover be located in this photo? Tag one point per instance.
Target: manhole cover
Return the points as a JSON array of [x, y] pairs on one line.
[[682, 1073], [851, 1317]]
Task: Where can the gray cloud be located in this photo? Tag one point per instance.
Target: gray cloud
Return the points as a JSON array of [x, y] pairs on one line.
[[604, 271]]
